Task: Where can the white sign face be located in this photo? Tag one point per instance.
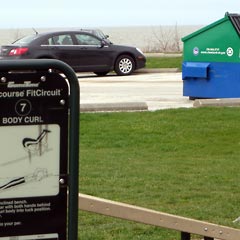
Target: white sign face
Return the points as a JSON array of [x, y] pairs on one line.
[[30, 160]]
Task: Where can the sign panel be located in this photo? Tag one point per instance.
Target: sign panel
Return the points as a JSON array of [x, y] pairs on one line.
[[33, 162]]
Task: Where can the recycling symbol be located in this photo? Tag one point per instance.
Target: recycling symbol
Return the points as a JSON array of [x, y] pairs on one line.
[[229, 51]]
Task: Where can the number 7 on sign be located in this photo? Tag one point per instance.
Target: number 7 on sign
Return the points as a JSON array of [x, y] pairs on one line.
[[23, 107]]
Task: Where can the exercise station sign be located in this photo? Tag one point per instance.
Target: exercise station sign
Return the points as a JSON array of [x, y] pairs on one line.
[[34, 155]]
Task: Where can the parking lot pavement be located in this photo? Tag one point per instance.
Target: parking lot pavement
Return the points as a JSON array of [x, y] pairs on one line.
[[154, 90]]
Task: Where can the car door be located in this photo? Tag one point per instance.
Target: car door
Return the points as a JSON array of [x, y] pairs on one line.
[[62, 47], [92, 55]]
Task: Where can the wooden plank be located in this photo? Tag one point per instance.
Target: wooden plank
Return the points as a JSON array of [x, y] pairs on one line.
[[155, 218]]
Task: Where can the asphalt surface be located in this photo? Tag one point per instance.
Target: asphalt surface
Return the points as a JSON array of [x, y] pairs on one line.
[[147, 89], [144, 90]]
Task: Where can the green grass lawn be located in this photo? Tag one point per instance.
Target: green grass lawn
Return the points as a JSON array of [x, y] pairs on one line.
[[164, 62], [182, 161]]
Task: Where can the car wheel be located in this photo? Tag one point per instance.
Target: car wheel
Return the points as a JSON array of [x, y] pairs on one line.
[[124, 65], [101, 74]]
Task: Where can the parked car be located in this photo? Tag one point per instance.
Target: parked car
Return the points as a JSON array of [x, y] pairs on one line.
[[83, 50]]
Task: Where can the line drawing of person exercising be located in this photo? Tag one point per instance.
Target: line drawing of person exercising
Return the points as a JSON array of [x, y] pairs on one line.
[[27, 142], [33, 145], [37, 175]]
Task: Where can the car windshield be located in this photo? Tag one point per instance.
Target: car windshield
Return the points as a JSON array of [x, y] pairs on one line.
[[96, 32], [25, 40], [100, 34]]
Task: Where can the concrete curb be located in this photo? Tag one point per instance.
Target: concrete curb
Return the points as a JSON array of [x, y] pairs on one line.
[[113, 107], [221, 102], [158, 70]]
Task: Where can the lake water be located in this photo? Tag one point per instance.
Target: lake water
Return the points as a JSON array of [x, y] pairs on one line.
[[147, 38]]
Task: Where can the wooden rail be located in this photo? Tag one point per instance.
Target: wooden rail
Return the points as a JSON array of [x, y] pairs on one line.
[[186, 226]]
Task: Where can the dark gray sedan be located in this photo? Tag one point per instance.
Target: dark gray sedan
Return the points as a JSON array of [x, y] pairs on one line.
[[83, 51]]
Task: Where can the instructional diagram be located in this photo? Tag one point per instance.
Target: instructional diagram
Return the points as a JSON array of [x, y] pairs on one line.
[[30, 161]]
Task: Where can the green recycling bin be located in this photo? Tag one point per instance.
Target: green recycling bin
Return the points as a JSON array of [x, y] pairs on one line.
[[211, 60]]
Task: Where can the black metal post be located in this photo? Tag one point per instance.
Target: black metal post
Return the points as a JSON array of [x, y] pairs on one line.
[[185, 236], [208, 238]]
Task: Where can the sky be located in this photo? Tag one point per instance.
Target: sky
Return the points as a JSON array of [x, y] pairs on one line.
[[112, 13]]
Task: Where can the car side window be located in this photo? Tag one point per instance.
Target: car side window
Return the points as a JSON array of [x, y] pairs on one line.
[[85, 39], [64, 39]]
